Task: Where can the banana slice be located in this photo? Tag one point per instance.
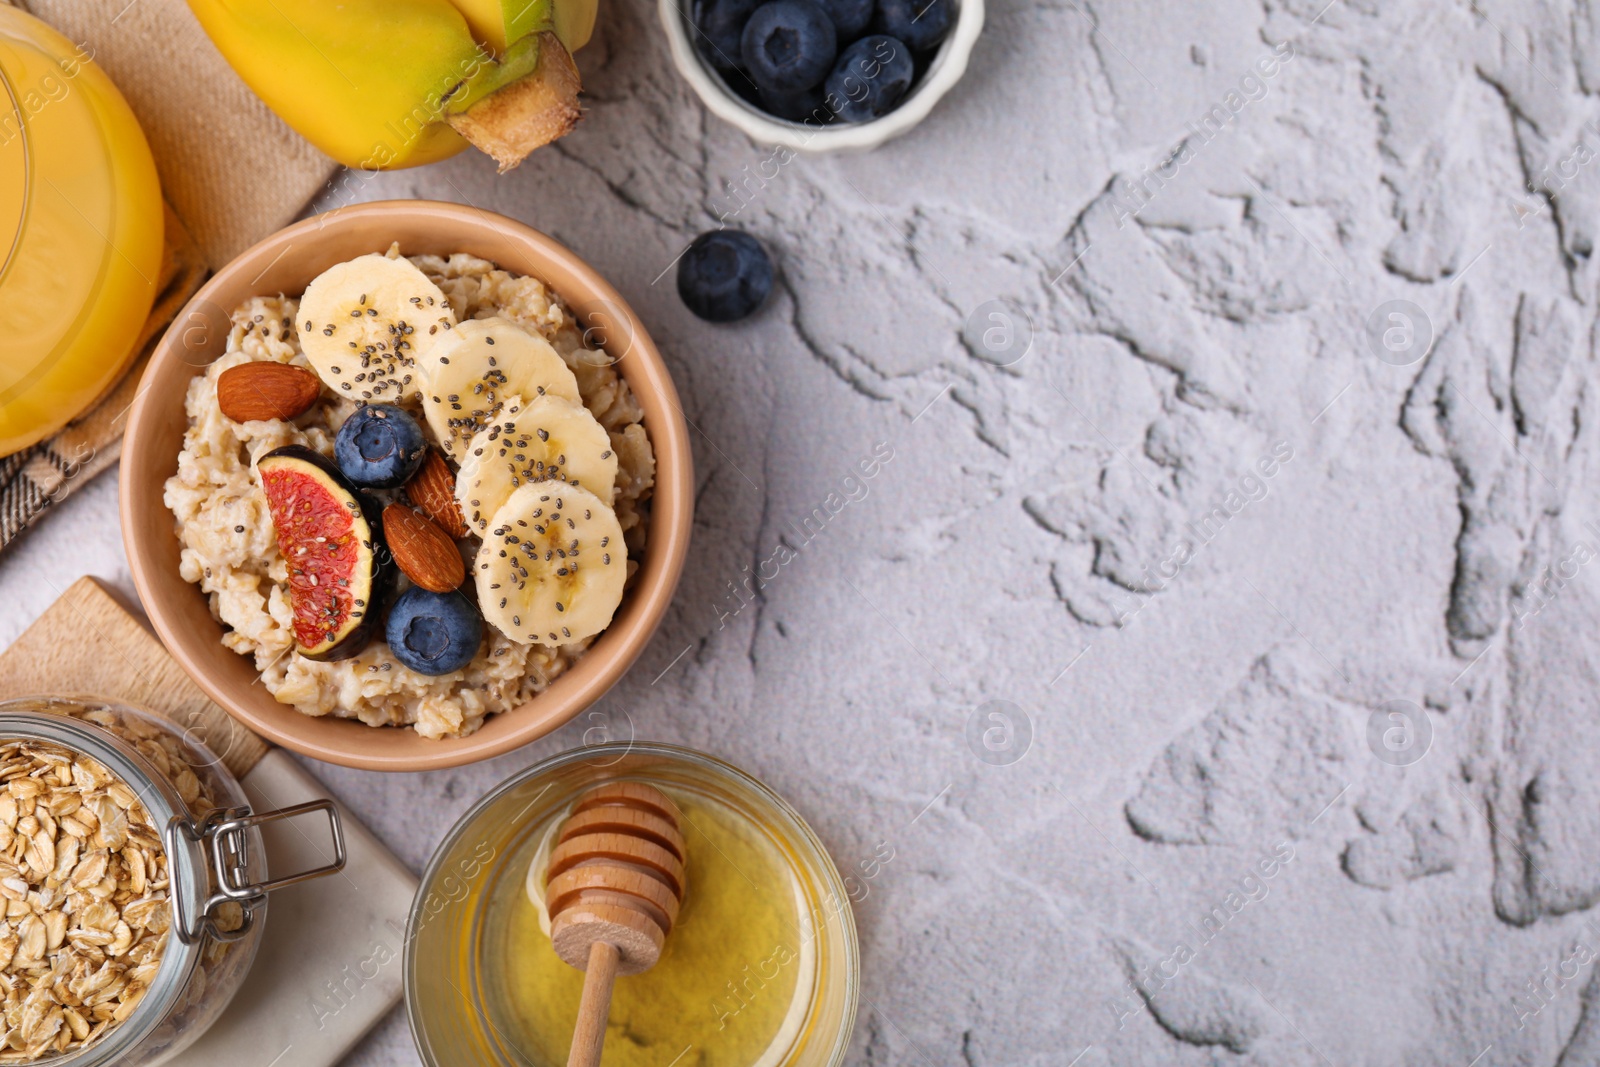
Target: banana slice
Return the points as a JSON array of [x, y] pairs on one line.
[[552, 565], [472, 371], [548, 438], [363, 323]]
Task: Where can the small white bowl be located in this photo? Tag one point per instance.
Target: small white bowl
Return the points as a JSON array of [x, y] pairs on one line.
[[949, 63]]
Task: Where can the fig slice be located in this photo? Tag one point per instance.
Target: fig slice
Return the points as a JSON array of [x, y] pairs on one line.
[[331, 537]]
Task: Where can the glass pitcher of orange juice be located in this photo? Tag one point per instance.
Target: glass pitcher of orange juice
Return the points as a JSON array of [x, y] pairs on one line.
[[80, 231]]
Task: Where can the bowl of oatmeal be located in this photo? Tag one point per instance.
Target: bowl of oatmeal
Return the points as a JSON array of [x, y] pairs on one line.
[[362, 567]]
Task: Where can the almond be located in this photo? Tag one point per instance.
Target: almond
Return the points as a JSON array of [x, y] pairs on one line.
[[265, 390], [433, 490], [426, 553]]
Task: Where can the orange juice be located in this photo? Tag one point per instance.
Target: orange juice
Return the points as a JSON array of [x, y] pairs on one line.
[[80, 231]]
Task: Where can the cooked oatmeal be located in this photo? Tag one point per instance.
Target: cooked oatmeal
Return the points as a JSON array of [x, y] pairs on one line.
[[229, 546]]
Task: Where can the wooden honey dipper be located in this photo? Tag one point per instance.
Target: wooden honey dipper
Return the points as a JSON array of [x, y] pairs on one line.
[[612, 889]]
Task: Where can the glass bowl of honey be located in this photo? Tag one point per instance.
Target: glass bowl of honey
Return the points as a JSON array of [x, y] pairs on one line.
[[761, 968]]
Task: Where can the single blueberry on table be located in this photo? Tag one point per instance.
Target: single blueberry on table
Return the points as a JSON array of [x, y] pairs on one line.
[[721, 25], [921, 24], [379, 447], [725, 275], [850, 17], [788, 45], [434, 633], [871, 78]]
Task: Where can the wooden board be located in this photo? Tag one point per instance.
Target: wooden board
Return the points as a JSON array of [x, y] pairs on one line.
[[89, 642]]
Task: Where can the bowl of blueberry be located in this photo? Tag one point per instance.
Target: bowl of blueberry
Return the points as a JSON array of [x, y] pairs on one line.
[[822, 75]]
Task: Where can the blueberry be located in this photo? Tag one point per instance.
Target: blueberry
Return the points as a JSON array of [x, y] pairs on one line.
[[379, 447], [721, 22], [434, 633], [870, 79], [725, 275], [745, 89], [921, 24], [788, 45], [850, 17], [804, 106]]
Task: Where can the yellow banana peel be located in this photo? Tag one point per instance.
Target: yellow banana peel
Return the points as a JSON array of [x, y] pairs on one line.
[[497, 23], [386, 84]]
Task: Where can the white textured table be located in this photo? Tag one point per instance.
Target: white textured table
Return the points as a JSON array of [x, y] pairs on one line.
[[1275, 543]]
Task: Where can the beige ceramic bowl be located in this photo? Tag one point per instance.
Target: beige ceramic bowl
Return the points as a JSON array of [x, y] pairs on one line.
[[285, 263]]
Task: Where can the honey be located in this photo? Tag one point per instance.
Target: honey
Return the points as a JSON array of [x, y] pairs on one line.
[[758, 970], [723, 992]]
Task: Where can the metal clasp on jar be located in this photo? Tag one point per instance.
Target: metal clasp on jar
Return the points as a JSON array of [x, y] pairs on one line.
[[221, 834]]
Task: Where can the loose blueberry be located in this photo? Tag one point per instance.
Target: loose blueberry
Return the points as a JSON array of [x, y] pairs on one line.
[[788, 45], [921, 24], [870, 79], [434, 633], [804, 106], [379, 447], [721, 23], [724, 276], [850, 17]]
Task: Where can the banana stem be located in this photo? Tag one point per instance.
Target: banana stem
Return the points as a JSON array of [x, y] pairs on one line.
[[508, 117], [490, 76]]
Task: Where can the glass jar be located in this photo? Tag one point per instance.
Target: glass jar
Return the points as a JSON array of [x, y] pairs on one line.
[[215, 864], [760, 969], [81, 231]]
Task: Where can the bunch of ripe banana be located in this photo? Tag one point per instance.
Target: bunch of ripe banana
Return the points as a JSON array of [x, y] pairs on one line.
[[385, 84]]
